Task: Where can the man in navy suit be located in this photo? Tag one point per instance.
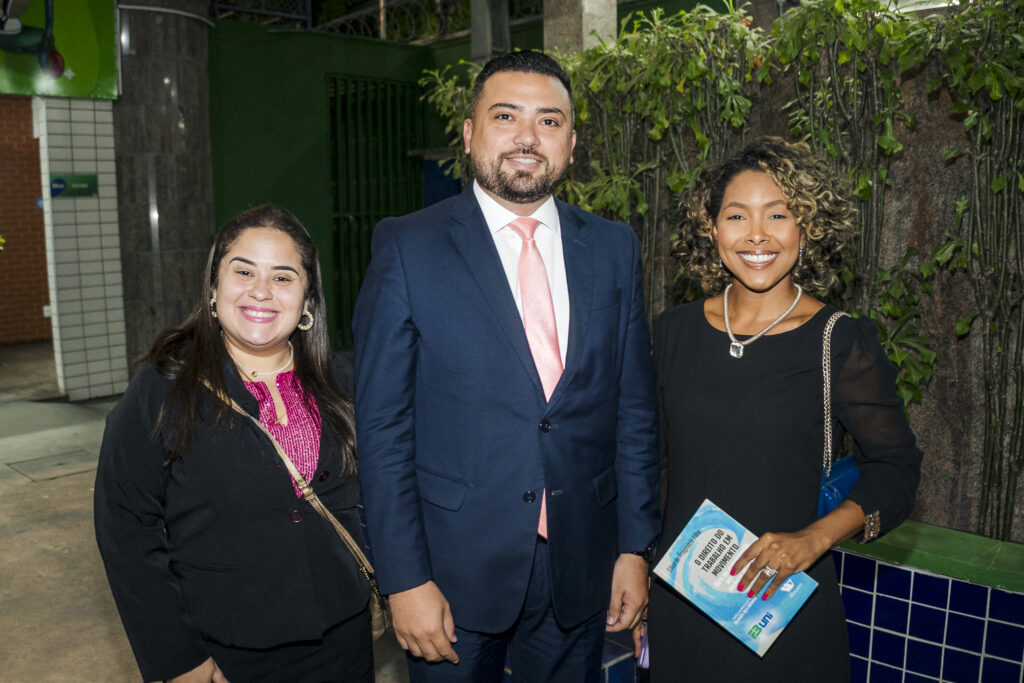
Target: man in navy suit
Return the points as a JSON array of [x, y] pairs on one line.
[[505, 406]]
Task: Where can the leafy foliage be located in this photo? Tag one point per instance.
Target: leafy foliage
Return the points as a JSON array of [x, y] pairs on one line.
[[450, 96], [896, 297], [847, 58], [982, 53]]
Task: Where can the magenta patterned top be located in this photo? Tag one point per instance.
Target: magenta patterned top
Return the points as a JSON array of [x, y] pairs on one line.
[[300, 438]]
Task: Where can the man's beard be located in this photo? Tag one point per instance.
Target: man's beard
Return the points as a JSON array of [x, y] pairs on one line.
[[518, 187]]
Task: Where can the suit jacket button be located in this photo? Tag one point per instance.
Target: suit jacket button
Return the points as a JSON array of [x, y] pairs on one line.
[[295, 516], [529, 497], [545, 426], [323, 475]]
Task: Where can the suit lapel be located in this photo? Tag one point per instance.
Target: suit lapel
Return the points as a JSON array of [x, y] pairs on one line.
[[473, 240], [579, 275]]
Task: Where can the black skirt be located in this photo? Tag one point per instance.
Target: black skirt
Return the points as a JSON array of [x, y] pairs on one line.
[[344, 655]]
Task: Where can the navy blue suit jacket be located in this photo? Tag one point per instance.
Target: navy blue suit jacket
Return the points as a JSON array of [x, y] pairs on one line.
[[456, 441]]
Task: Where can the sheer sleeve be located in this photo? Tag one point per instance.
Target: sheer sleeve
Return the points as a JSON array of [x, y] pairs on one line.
[[867, 406]]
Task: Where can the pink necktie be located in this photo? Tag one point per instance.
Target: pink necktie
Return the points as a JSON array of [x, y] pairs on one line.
[[539, 321]]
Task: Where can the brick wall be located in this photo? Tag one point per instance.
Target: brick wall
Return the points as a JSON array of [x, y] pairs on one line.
[[23, 259]]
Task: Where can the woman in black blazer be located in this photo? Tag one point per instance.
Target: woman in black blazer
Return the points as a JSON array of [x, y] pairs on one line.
[[220, 569]]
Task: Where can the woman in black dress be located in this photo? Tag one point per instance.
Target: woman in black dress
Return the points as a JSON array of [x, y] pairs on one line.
[[741, 401]]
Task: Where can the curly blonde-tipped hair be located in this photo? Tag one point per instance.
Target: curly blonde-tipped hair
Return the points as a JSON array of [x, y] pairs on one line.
[[815, 194]]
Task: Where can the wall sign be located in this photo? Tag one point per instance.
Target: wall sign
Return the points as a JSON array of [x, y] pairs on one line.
[[73, 185]]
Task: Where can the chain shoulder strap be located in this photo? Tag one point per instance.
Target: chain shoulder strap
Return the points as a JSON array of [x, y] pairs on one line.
[[826, 372]]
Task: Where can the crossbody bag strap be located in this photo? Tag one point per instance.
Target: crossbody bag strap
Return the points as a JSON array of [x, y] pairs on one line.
[[826, 371], [365, 568]]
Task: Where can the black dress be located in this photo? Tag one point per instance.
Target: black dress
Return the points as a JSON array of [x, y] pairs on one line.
[[748, 435]]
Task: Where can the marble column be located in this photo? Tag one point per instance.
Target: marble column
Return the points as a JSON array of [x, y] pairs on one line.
[[164, 174], [568, 24], [489, 32]]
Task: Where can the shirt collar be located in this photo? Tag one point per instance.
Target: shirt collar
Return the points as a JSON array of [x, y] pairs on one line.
[[498, 217]]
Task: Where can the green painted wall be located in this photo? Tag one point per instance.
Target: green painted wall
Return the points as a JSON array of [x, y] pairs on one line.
[[269, 118]]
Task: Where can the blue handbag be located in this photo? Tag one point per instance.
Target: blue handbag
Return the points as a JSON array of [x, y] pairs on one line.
[[837, 478], [835, 486]]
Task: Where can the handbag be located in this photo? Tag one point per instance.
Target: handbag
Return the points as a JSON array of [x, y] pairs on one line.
[[380, 615], [837, 478]]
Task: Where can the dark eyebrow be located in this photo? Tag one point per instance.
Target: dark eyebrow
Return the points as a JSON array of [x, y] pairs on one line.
[[518, 107], [251, 263], [741, 205]]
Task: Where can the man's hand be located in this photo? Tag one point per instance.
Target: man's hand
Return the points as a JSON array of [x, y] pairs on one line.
[[207, 672], [638, 638], [423, 623], [629, 593]]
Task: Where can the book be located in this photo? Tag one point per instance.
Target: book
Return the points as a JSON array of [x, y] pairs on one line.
[[697, 566]]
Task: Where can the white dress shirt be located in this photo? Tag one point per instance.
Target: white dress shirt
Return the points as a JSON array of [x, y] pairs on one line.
[[549, 243]]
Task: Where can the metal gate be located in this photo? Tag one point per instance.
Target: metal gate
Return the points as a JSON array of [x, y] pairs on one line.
[[374, 126]]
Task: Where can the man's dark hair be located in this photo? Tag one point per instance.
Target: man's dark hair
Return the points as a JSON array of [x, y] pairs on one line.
[[525, 61]]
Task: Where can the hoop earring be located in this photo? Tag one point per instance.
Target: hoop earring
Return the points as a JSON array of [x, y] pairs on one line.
[[308, 325], [213, 305]]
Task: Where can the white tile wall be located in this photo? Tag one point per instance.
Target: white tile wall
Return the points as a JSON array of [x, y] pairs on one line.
[[82, 249]]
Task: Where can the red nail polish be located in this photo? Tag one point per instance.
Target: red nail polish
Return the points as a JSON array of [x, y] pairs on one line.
[[740, 587], [750, 594], [732, 572], [764, 597]]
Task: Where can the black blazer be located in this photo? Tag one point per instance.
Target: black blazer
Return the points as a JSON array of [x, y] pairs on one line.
[[216, 545]]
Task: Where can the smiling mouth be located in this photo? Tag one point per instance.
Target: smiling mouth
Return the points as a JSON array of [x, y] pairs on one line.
[[758, 258], [258, 316], [524, 158]]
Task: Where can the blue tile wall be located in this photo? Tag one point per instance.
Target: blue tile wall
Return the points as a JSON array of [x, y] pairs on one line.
[[885, 674], [893, 581], [927, 623], [924, 658], [960, 667], [891, 614], [1006, 606], [965, 633], [911, 626]]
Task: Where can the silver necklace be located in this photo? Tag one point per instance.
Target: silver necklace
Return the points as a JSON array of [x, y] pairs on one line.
[[254, 373], [736, 347]]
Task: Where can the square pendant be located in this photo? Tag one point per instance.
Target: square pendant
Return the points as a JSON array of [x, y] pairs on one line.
[[736, 350]]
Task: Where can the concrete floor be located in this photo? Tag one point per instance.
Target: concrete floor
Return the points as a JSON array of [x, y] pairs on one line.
[[27, 372], [57, 617]]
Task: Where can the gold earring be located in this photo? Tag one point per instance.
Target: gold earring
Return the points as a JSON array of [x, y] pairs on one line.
[[308, 325], [213, 306]]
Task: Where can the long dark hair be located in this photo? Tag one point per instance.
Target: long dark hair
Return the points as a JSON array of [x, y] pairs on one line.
[[193, 354]]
